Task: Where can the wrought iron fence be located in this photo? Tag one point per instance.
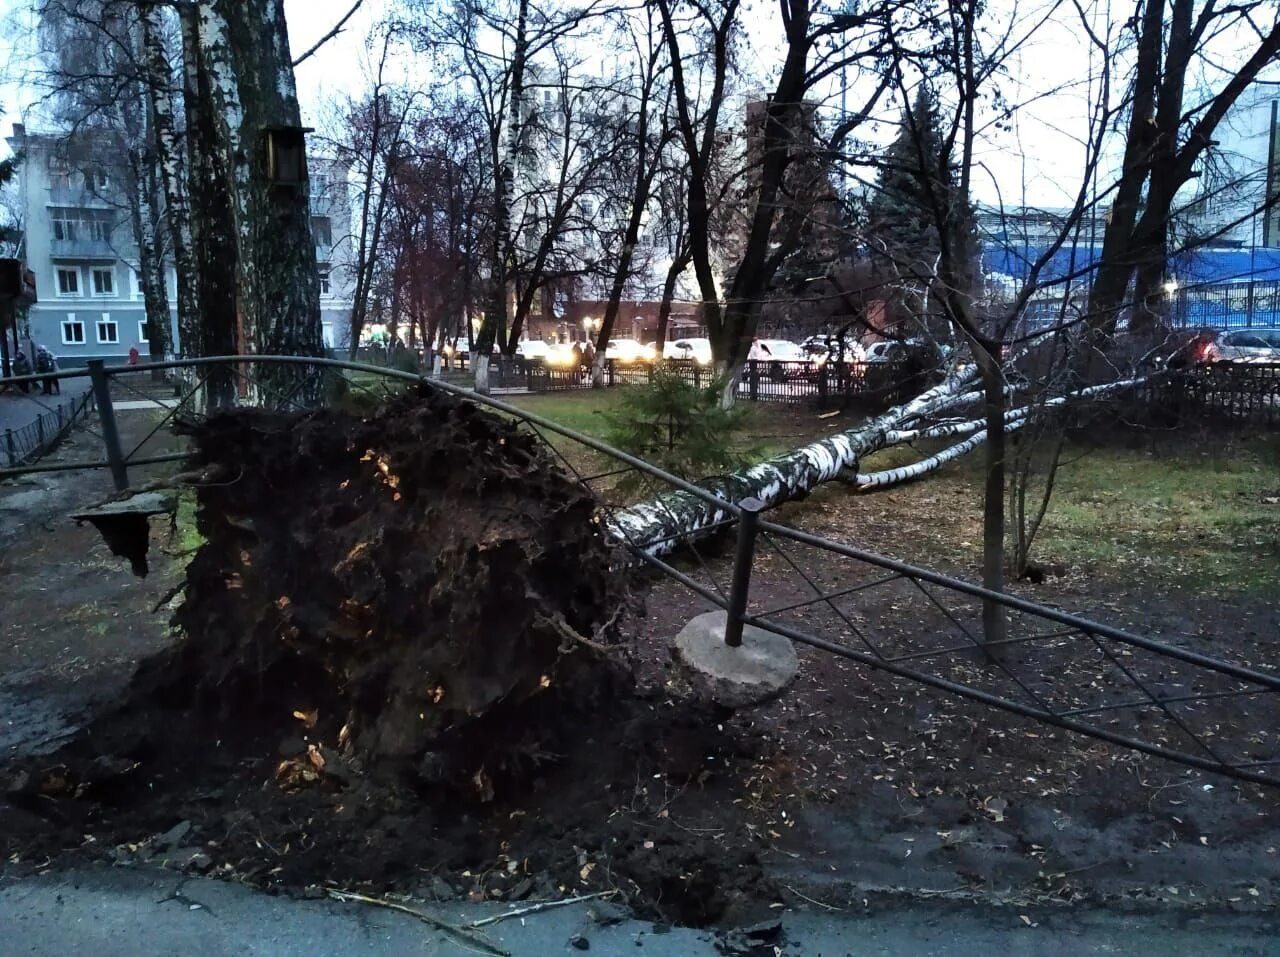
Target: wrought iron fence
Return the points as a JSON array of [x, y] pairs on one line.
[[1240, 393], [1162, 698], [1229, 305], [33, 439]]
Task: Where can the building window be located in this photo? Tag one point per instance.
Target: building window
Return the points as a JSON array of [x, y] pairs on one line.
[[68, 282], [143, 337], [97, 227], [325, 287], [72, 331], [100, 179], [322, 230], [319, 183], [104, 282], [71, 224], [59, 174], [108, 330], [65, 224]]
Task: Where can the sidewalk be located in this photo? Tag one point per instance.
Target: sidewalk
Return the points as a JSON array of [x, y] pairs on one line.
[[135, 911], [21, 428]]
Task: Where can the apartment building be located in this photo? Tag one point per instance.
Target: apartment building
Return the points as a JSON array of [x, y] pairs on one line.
[[78, 240]]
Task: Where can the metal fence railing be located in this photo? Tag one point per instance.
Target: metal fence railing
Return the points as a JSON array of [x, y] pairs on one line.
[[1239, 393], [869, 384], [33, 439], [1229, 305]]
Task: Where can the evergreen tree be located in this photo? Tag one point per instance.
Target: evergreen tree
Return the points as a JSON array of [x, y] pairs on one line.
[[916, 178]]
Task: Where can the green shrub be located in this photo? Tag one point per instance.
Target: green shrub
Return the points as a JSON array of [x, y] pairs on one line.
[[679, 427]]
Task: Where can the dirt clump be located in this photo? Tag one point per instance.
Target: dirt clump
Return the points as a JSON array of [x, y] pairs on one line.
[[410, 592]]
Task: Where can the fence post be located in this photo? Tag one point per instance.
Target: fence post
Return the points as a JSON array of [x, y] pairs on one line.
[[743, 558], [107, 416], [40, 433], [9, 447]]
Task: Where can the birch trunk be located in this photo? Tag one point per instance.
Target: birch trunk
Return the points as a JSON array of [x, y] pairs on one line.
[[169, 162], [151, 276], [212, 219], [280, 287], [660, 524]]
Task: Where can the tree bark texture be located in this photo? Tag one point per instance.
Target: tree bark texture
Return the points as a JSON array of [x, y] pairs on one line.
[[212, 219], [280, 287], [168, 150]]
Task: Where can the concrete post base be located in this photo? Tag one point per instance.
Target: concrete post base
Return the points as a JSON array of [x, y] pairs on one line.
[[740, 677]]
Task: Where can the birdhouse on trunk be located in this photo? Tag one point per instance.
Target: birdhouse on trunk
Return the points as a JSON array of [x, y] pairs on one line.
[[286, 156]]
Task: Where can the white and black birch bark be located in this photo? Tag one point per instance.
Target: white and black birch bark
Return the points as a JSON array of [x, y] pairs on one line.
[[660, 524], [168, 150]]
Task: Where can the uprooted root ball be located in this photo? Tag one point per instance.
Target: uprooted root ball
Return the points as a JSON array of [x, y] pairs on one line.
[[408, 592]]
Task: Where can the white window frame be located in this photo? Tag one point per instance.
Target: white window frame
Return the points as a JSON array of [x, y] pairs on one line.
[[105, 321], [110, 271], [63, 219], [325, 274], [97, 229], [57, 281], [71, 320], [142, 333]]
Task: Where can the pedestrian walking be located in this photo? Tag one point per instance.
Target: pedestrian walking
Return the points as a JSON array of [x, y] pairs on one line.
[[46, 365], [21, 367]]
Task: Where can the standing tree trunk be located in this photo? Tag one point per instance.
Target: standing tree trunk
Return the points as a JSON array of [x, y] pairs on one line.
[[212, 219], [280, 291], [169, 163], [678, 265], [493, 328], [150, 268]]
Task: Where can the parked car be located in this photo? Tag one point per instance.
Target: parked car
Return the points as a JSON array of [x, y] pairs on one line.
[[832, 349], [776, 350], [628, 351], [534, 349], [781, 359], [1194, 347], [699, 350], [1245, 345], [1183, 348]]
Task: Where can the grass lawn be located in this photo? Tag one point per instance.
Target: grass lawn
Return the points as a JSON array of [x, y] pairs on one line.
[[1206, 515], [1198, 512], [770, 428]]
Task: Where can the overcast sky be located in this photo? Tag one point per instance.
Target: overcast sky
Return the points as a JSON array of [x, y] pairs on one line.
[[1048, 161], [1039, 159]]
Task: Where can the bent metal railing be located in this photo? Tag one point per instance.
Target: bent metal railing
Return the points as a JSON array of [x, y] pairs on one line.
[[1156, 697]]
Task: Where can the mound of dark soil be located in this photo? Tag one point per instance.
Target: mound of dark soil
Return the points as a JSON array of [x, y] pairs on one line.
[[398, 668], [414, 590]]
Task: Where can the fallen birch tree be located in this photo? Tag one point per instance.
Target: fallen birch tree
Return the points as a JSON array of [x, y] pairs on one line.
[[659, 524]]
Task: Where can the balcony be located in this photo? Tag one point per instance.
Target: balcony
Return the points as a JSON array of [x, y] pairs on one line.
[[77, 197], [82, 249]]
